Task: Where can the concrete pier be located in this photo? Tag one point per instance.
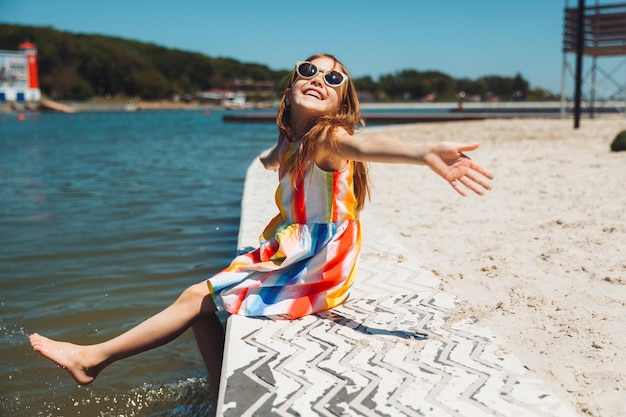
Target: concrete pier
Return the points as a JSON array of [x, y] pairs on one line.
[[398, 347]]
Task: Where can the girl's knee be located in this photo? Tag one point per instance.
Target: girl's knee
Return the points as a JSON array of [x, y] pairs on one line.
[[198, 295], [196, 292]]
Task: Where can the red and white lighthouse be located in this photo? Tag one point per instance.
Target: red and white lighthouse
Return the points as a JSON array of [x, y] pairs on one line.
[[33, 93], [30, 49]]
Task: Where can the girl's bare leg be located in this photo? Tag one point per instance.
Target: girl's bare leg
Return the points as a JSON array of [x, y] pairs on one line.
[[209, 334], [84, 363]]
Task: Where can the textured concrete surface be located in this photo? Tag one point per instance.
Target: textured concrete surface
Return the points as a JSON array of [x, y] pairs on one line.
[[398, 347]]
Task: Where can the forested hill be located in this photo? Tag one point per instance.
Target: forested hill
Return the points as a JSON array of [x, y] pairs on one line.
[[82, 66]]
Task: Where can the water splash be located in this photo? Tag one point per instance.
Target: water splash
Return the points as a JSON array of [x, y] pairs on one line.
[[190, 397]]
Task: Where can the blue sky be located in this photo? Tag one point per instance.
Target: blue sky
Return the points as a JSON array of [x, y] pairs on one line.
[[463, 38]]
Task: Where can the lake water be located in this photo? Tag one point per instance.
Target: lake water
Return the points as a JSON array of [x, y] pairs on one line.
[[104, 219]]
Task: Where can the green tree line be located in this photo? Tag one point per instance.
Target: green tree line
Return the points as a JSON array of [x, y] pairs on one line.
[[83, 66]]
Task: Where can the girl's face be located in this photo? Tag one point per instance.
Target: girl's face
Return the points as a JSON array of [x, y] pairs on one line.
[[312, 97]]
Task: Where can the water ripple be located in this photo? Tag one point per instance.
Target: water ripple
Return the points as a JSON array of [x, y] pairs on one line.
[[104, 219]]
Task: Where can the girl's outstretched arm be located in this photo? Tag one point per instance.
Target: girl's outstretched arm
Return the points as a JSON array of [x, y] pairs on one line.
[[447, 159]]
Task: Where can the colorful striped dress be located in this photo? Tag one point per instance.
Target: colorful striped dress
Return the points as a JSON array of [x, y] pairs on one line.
[[306, 261]]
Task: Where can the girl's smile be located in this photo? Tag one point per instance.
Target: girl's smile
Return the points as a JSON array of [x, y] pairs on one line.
[[314, 92]]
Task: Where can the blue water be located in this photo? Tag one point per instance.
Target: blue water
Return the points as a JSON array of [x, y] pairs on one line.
[[104, 219]]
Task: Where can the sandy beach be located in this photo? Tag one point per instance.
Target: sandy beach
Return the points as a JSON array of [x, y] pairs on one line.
[[541, 259]]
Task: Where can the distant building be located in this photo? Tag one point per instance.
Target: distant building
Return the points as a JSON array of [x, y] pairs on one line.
[[19, 75], [226, 98]]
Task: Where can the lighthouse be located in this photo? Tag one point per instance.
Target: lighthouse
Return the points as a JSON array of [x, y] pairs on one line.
[[32, 92], [19, 74]]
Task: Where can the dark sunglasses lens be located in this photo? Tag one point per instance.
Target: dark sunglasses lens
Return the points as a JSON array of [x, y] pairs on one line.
[[334, 78], [307, 70]]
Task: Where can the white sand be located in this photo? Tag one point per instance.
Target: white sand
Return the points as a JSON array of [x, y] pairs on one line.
[[541, 259]]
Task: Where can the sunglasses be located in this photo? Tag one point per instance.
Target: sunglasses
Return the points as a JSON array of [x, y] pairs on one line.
[[333, 78]]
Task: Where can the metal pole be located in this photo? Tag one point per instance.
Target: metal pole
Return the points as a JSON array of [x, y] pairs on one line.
[[592, 91], [594, 66], [563, 85], [580, 18], [563, 70]]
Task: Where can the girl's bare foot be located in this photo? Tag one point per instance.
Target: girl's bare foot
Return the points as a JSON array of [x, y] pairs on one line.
[[69, 356]]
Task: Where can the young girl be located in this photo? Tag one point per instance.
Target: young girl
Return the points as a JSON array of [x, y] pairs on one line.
[[308, 253]]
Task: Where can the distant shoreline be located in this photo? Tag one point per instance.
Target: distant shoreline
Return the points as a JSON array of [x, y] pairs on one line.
[[92, 106], [487, 110]]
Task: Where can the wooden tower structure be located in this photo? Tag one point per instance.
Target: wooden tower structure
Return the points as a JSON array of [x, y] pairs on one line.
[[597, 33]]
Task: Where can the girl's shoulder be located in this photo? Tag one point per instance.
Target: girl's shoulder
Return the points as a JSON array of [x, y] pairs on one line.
[[338, 134]]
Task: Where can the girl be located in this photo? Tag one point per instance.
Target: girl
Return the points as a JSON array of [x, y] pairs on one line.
[[307, 257]]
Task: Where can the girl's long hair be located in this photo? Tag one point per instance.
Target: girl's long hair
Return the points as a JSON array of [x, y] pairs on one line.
[[348, 117]]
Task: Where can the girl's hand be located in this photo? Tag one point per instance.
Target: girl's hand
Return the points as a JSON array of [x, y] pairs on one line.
[[448, 160]]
